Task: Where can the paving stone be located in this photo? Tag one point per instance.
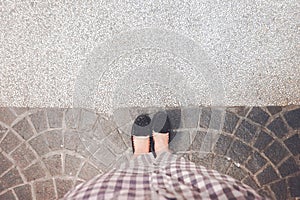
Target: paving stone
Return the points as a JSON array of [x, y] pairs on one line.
[[5, 164], [54, 164], [294, 185], [127, 139], [258, 115], [105, 156], [205, 117], [251, 182], [23, 192], [7, 196], [265, 192], [6, 116], [278, 127], [239, 110], [223, 144], [288, 167], [10, 142], [293, 118], [197, 141], [88, 171], [151, 110], [236, 172], [24, 129], [34, 172], [98, 133], [230, 122], [54, 139], [72, 165], [23, 156], [202, 159], [181, 141], [10, 179], [55, 117], [193, 134], [185, 156], [246, 131], [44, 189], [293, 144], [239, 151], [126, 131], [90, 142], [174, 117], [103, 128], [221, 164], [20, 110], [274, 109], [122, 116], [115, 143], [190, 117], [2, 187], [3, 130], [39, 122], [87, 120], [123, 159], [73, 142], [279, 189], [72, 116], [63, 186], [267, 175], [215, 119], [39, 144], [256, 162], [211, 118], [78, 182], [208, 142], [135, 111], [262, 140], [276, 152]]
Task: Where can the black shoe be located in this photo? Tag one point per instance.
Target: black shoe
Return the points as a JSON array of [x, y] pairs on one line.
[[142, 126], [161, 122]]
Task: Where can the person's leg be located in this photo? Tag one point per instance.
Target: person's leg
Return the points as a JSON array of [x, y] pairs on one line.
[[161, 132], [161, 142], [164, 155], [141, 145], [177, 178], [140, 135]]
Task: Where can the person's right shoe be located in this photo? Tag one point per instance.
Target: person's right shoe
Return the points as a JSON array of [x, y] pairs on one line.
[[142, 127]]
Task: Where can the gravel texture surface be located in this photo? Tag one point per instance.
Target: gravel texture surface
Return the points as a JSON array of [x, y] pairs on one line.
[[111, 54]]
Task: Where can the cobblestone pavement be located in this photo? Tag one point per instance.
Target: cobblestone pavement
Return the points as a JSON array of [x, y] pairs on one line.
[[45, 152]]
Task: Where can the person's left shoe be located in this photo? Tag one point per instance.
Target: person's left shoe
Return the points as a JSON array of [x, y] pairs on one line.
[[161, 122], [162, 132]]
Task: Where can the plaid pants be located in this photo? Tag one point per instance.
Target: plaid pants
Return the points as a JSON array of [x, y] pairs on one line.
[[166, 177]]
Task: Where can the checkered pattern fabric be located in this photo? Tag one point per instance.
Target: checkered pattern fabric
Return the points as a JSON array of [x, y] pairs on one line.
[[166, 177]]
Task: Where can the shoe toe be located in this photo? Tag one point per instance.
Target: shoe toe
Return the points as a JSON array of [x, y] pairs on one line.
[[161, 122], [142, 126]]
